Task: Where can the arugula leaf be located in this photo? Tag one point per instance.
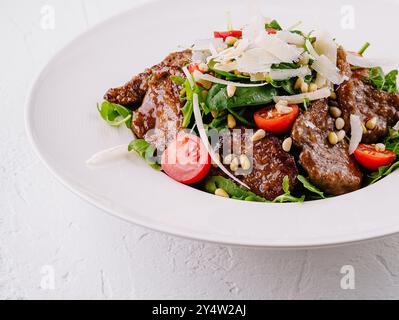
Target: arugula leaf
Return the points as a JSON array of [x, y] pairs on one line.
[[392, 141], [115, 114], [287, 197], [187, 112], [383, 82], [273, 25], [178, 80], [228, 75], [218, 100], [234, 191], [309, 186], [146, 151], [383, 172]]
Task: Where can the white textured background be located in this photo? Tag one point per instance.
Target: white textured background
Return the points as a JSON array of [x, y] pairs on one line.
[[94, 255]]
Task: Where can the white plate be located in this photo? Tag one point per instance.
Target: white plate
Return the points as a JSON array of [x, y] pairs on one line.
[[66, 130]]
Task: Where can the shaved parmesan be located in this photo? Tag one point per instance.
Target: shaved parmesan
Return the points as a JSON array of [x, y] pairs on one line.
[[311, 50], [396, 127], [282, 74], [328, 70], [291, 38], [188, 76], [256, 60], [200, 76], [299, 98], [204, 138], [279, 48], [356, 133], [108, 156], [325, 45]]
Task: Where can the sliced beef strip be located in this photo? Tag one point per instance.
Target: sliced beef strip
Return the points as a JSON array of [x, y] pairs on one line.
[[357, 96], [160, 109], [330, 167], [270, 163], [133, 92]]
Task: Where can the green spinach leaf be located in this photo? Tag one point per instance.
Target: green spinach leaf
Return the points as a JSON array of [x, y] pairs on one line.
[[218, 100]]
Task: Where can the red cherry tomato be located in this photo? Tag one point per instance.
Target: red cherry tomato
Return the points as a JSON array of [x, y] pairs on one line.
[[372, 159], [271, 31], [225, 34], [186, 159], [269, 119], [193, 67]]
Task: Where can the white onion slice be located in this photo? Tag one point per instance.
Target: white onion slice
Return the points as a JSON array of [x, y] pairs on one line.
[[108, 156], [200, 76], [203, 44], [328, 70], [299, 98], [396, 127], [356, 133], [204, 138], [188, 76], [282, 74], [362, 62]]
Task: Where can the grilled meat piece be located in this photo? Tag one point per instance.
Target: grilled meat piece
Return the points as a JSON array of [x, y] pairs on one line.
[[160, 109], [132, 93], [357, 96], [330, 167], [270, 163]]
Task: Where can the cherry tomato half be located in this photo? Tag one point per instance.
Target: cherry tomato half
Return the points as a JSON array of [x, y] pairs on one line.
[[372, 159], [186, 159], [269, 119], [193, 67], [225, 34], [271, 31]]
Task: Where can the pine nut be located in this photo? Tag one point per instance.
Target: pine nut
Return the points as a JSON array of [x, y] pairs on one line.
[[221, 193], [215, 114], [214, 163], [304, 59], [204, 94], [335, 112], [230, 41], [333, 138], [313, 87], [231, 90], [364, 128], [380, 147], [283, 108], [259, 135], [245, 162], [304, 87], [341, 135], [372, 123], [231, 121], [339, 123], [333, 96], [287, 145], [203, 67], [228, 159], [235, 163], [205, 83], [298, 83]]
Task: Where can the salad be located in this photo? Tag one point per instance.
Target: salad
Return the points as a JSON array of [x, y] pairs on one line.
[[264, 114]]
